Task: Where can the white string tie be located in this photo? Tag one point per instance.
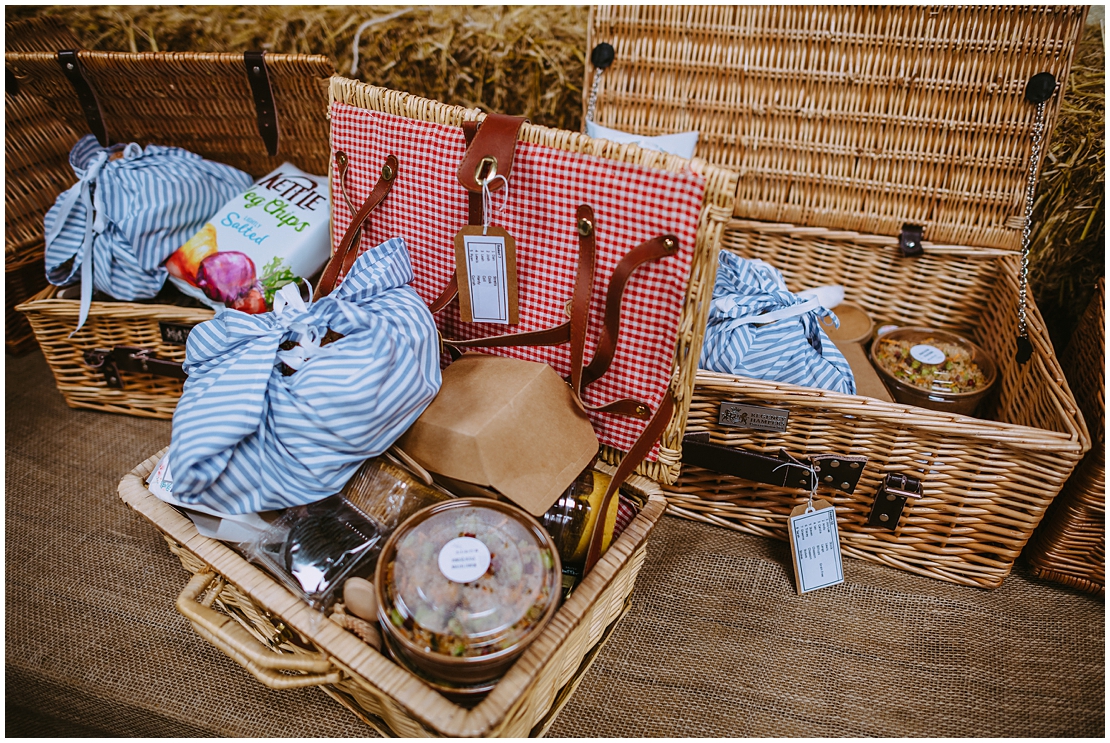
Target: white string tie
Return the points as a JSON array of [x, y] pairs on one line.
[[487, 200]]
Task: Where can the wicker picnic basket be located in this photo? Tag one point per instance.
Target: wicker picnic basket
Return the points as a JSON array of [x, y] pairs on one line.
[[285, 644], [1070, 546], [204, 103], [864, 135], [36, 168]]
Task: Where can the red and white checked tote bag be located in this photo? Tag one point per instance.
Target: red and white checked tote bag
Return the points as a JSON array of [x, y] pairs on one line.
[[632, 203]]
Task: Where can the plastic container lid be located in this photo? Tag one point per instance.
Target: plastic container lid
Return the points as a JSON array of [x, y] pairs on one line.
[[468, 578]]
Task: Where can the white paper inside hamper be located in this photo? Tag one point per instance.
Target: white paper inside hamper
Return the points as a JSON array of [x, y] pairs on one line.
[[283, 216], [681, 144]]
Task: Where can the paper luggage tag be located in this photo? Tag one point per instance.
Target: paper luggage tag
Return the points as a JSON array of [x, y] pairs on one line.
[[815, 546], [485, 263]]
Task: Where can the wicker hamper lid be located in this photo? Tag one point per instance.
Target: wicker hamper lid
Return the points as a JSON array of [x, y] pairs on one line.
[[847, 117], [200, 101]]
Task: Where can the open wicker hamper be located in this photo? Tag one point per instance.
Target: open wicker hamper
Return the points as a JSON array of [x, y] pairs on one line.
[[1070, 545], [204, 103], [285, 643], [849, 127]]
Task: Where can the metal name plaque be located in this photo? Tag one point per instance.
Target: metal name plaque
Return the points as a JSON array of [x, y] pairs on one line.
[[753, 416]]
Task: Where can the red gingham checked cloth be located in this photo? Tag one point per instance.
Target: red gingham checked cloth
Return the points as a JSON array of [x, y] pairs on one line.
[[427, 206]]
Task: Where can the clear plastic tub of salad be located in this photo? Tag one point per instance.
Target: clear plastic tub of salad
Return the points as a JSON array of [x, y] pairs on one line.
[[934, 369], [464, 587]]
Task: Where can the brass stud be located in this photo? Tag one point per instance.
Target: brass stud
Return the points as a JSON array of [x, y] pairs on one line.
[[828, 478], [585, 227], [889, 496], [387, 173], [487, 166], [341, 158], [884, 517], [669, 244], [641, 410], [854, 465], [844, 486], [835, 463]]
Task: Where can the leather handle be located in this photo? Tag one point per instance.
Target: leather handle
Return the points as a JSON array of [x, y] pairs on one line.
[[259, 78], [636, 454], [345, 255], [491, 152], [273, 669], [86, 95], [111, 361]]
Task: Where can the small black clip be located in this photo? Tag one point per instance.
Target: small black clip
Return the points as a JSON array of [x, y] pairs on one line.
[[1040, 87], [910, 240], [603, 55], [1024, 350]]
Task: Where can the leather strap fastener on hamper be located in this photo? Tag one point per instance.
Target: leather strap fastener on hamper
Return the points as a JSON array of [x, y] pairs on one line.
[[259, 78], [784, 471], [112, 361], [273, 669], [86, 95]]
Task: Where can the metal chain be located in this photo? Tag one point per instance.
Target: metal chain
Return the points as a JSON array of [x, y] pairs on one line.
[[591, 107], [1027, 230]]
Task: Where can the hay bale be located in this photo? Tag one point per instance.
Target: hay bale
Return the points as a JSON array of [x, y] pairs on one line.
[[520, 60]]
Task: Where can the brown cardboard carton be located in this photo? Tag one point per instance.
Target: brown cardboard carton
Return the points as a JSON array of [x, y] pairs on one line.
[[504, 424]]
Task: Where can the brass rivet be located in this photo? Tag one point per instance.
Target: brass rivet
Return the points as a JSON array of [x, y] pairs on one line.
[[341, 157], [585, 227], [884, 517], [669, 243], [487, 165], [566, 308], [387, 172], [641, 410], [844, 486], [828, 478], [854, 465], [69, 65], [835, 463], [889, 496]]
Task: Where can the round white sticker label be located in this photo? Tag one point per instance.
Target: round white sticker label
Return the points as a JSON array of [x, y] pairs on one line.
[[927, 354], [464, 559]]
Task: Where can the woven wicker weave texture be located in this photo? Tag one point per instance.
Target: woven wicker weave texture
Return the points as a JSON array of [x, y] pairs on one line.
[[716, 642], [1070, 546], [846, 117]]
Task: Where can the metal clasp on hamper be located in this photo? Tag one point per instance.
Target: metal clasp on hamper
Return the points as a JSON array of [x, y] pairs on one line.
[[890, 500], [111, 361]]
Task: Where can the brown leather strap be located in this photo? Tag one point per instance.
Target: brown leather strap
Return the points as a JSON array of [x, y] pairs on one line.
[[549, 337], [263, 95], [474, 198], [583, 289], [496, 142], [645, 252], [345, 255], [640, 449], [449, 292]]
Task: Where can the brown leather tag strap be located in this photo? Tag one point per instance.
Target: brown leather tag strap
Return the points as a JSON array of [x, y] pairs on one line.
[[640, 449], [583, 289], [491, 152], [345, 255]]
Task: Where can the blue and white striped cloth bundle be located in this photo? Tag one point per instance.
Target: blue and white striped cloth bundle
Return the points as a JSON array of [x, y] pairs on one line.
[[124, 217], [758, 328], [247, 439]]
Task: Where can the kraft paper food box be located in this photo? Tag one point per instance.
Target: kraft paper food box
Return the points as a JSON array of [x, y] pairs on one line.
[[276, 232]]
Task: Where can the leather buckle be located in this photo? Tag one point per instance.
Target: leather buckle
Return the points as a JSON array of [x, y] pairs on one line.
[[890, 500], [112, 361], [910, 240]]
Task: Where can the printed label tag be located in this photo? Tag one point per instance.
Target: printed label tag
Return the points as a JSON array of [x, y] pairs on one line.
[[815, 546], [486, 269], [927, 354], [464, 560], [752, 416]]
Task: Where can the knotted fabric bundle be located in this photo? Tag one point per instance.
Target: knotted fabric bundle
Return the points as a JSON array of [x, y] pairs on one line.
[[248, 438], [125, 216], [758, 328]]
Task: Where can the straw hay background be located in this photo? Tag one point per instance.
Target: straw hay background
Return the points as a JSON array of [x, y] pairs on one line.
[[529, 61]]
